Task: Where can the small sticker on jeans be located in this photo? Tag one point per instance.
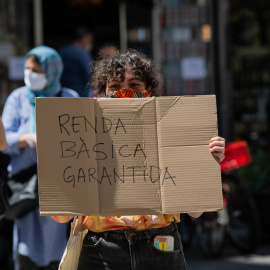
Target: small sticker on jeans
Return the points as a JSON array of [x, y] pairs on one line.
[[164, 242]]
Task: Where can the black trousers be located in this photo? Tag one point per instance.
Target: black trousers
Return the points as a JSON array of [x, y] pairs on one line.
[[131, 250]]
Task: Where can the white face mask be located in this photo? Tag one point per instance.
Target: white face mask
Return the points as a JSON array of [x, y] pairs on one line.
[[35, 81]]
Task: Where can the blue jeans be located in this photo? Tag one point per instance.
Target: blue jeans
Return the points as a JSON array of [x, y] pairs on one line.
[[131, 250]]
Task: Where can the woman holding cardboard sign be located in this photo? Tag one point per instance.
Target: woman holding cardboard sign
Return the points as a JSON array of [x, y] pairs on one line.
[[132, 242], [39, 242]]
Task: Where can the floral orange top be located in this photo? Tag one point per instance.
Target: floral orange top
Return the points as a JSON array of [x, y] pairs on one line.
[[100, 224]]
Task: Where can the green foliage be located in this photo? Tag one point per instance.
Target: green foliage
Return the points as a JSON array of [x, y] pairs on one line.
[[257, 175]]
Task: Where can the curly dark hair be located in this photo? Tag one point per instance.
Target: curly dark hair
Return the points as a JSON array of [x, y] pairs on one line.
[[104, 69]]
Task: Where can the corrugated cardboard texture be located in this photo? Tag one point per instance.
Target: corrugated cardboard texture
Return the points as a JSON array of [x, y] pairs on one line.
[[127, 156]]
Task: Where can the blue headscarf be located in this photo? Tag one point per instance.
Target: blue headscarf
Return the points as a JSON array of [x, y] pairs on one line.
[[52, 65]]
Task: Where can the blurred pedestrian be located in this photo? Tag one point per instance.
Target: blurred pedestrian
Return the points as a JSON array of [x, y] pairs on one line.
[[3, 145], [127, 242], [76, 58], [107, 50], [38, 243]]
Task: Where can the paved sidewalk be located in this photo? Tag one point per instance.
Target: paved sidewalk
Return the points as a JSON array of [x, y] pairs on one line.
[[231, 259]]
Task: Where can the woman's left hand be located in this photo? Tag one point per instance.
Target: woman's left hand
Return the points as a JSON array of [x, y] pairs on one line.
[[217, 147]]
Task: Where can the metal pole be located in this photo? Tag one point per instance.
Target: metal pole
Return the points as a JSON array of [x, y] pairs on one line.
[[123, 25], [156, 41], [223, 84], [38, 22]]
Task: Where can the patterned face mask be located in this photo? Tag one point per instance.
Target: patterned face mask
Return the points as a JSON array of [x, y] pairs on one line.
[[129, 93]]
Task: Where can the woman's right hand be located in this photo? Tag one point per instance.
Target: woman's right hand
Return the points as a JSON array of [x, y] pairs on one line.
[[29, 139]]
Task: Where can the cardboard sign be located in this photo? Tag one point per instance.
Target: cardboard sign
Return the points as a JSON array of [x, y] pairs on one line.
[[127, 156]]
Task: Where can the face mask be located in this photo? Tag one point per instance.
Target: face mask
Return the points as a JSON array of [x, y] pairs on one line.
[[35, 81], [129, 93]]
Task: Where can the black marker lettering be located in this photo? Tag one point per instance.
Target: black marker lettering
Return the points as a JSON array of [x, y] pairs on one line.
[[120, 149], [83, 149], [169, 177], [105, 174], [81, 174], [101, 152], [151, 174], [70, 178], [139, 148], [112, 149], [115, 174], [104, 125], [87, 122], [75, 124], [91, 174], [144, 173], [133, 170], [65, 149], [61, 124], [118, 125]]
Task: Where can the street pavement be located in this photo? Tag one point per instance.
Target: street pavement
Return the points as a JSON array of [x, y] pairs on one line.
[[230, 259]]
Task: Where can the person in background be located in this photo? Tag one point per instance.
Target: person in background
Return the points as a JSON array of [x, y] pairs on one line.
[[3, 141], [38, 243], [107, 50], [127, 242], [3, 145], [76, 58]]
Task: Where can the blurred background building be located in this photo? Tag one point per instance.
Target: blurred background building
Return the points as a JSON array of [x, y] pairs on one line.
[[200, 46]]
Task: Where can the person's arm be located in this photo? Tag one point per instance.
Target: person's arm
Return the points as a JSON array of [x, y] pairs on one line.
[[11, 120], [62, 219], [195, 214], [28, 139], [217, 147], [3, 141]]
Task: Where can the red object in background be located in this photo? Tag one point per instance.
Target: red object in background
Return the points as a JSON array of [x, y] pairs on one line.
[[236, 155]]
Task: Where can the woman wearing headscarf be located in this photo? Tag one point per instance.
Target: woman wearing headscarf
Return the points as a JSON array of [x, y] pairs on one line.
[[38, 242]]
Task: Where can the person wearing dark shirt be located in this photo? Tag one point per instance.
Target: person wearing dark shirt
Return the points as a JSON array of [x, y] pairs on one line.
[[76, 57]]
